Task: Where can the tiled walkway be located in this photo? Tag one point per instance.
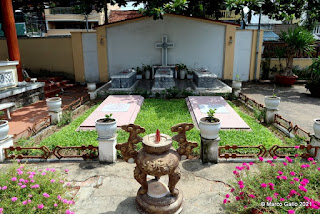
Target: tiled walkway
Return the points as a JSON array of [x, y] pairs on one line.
[[25, 117]]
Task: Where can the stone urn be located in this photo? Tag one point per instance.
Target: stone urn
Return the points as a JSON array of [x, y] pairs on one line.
[[157, 158], [54, 104], [236, 84], [272, 102], [106, 129], [91, 87], [316, 128], [4, 129], [209, 130]]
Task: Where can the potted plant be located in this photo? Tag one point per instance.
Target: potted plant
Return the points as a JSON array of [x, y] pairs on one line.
[[236, 84], [147, 71], [106, 127], [54, 103], [313, 85], [316, 127], [4, 129], [210, 126], [91, 86], [297, 39], [139, 73], [190, 75]]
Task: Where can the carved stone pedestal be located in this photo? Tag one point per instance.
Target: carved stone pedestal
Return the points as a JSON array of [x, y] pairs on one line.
[[159, 200]]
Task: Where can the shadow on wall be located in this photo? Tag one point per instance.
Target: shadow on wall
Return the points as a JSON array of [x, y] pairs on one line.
[[46, 73]]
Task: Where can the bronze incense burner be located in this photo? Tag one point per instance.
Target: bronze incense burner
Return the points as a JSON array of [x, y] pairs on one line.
[[157, 158]]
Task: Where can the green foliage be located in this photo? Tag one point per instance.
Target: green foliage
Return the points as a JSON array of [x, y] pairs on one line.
[[314, 83], [297, 39], [181, 66], [146, 67], [172, 92], [108, 118], [24, 189], [292, 181], [210, 115], [139, 70], [65, 119], [259, 115]]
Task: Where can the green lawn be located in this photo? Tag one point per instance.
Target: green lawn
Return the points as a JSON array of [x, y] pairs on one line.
[[163, 114]]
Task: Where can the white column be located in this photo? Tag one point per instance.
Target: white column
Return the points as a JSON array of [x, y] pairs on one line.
[[107, 150], [5, 143]]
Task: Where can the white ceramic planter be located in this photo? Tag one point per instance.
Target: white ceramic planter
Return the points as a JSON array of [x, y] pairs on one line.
[[91, 86], [4, 129], [54, 103], [139, 76], [316, 127], [209, 130], [272, 102], [147, 75], [236, 85], [106, 130], [182, 74]]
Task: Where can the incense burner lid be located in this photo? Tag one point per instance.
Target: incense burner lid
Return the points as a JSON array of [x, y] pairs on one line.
[[150, 146]]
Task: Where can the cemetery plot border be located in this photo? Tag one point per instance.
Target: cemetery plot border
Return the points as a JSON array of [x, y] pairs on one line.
[[59, 152], [263, 152]]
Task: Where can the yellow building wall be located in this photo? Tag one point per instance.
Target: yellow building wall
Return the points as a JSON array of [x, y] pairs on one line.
[[229, 46], [51, 54], [301, 62]]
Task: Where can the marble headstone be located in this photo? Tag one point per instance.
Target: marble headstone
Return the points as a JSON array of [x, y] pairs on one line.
[[204, 79], [124, 79]]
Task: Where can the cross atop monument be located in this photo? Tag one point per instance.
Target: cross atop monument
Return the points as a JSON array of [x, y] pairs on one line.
[[164, 45]]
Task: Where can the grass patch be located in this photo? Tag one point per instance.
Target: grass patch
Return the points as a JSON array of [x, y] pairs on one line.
[[163, 114]]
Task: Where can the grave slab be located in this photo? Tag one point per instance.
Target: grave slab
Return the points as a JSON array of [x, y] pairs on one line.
[[199, 105], [124, 108], [204, 79]]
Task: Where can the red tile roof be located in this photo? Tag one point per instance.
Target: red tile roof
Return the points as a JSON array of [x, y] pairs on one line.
[[121, 15]]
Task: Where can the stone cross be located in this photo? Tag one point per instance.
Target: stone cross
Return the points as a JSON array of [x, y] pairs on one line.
[[164, 45]]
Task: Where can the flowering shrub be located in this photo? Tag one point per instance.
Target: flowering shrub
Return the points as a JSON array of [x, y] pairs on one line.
[[26, 190], [291, 187]]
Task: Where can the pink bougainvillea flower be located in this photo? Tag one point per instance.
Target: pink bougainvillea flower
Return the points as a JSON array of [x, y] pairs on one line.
[[241, 193], [61, 181], [272, 164], [284, 177], [291, 212], [225, 201], [292, 173], [296, 155], [280, 172], [21, 180], [252, 196], [241, 186], [43, 173], [65, 201], [20, 172], [235, 172], [289, 159], [59, 197], [69, 212], [227, 195], [269, 198], [237, 198], [4, 187], [296, 179], [284, 163], [263, 185], [52, 181], [303, 183], [231, 190], [66, 170], [47, 169], [261, 158], [278, 177], [305, 166], [55, 205], [13, 178], [40, 170], [296, 147], [314, 163], [310, 159], [24, 202], [292, 192], [269, 161], [240, 182], [306, 198], [14, 199], [274, 157], [40, 206], [251, 163], [19, 184], [30, 196], [68, 184], [291, 182], [23, 186], [46, 195], [1, 209], [53, 170], [26, 181], [318, 169], [32, 181], [31, 176], [282, 199]]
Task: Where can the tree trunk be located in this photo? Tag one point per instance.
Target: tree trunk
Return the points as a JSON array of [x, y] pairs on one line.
[[288, 69]]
